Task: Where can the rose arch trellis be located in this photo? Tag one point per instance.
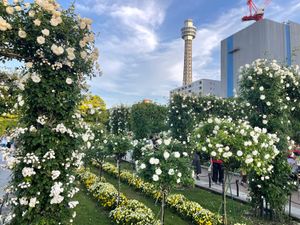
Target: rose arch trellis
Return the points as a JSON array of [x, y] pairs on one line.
[[58, 50]]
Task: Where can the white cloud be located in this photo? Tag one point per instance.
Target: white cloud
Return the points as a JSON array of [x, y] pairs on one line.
[[137, 64]]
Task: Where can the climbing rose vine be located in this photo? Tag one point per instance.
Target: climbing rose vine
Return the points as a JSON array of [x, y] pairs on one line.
[[57, 49]]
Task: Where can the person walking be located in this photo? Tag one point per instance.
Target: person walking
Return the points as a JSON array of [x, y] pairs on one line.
[[3, 141], [197, 165], [218, 171]]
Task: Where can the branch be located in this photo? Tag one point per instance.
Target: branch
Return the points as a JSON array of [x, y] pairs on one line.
[[11, 55]]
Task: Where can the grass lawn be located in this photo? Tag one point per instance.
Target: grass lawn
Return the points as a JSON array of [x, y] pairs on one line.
[[88, 211]]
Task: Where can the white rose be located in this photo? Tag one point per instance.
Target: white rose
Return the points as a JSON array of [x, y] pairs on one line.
[[152, 160], [35, 78], [262, 97], [31, 13], [37, 22], [57, 50], [158, 171], [155, 177], [167, 142], [179, 174], [46, 32], [143, 166], [10, 10], [261, 88], [22, 33], [239, 153], [40, 40], [176, 154], [166, 155], [55, 174], [69, 80], [213, 153], [33, 202], [171, 172]]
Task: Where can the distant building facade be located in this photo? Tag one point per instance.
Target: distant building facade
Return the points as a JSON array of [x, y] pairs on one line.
[[201, 87], [263, 39]]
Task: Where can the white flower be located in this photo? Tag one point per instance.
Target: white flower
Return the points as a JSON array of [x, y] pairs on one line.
[[185, 154], [10, 10], [31, 13], [179, 174], [159, 142], [167, 142], [55, 21], [176, 154], [35, 78], [23, 201], [55, 174], [158, 171], [73, 204], [69, 80], [56, 189], [57, 50], [249, 160], [178, 181], [209, 120], [213, 153], [267, 156], [155, 177], [83, 54], [262, 97], [28, 172], [156, 161], [152, 161], [171, 172], [261, 88], [166, 155], [40, 40], [22, 33], [46, 32], [143, 166], [33, 202], [37, 22]]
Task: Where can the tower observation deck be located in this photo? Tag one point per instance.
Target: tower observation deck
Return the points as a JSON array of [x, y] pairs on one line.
[[188, 33]]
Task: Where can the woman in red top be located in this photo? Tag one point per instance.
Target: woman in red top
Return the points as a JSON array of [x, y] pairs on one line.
[[218, 170]]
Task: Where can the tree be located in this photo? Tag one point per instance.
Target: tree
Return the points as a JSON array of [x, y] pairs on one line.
[[148, 119], [119, 120], [272, 90], [93, 109], [237, 143], [165, 168]]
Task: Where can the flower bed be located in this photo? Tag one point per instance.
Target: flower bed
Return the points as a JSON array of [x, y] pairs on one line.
[[128, 212], [179, 203]]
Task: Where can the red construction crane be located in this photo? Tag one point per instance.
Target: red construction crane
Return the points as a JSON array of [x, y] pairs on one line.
[[255, 12]]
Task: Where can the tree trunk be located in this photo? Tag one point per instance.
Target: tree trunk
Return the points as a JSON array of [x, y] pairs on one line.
[[101, 170], [162, 218], [119, 180], [224, 198]]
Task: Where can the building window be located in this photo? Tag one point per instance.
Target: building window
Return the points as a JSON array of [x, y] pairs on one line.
[[200, 87], [200, 82]]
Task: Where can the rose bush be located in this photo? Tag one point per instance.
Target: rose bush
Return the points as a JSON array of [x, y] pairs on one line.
[[51, 134]]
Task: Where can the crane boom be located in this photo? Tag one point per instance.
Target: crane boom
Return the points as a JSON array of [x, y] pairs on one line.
[[255, 13]]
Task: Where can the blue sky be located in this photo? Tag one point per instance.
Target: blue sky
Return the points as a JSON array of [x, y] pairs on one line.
[[141, 52]]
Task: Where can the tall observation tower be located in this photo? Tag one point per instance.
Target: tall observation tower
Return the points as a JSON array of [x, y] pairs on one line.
[[188, 33]]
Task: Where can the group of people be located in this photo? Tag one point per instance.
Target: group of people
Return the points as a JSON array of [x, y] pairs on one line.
[[216, 167], [5, 141]]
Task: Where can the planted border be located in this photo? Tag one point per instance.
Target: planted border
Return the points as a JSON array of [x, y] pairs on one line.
[[127, 212], [187, 209]]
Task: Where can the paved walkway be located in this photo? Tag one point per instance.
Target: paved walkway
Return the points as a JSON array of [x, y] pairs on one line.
[[243, 191]]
